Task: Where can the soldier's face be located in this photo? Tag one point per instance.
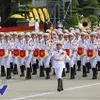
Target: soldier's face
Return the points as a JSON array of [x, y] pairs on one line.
[[45, 38], [77, 33], [60, 36], [98, 35], [39, 37], [7, 37], [70, 37], [1, 37], [33, 36], [82, 37], [59, 46], [20, 37], [27, 38], [65, 37], [53, 36], [93, 37], [14, 36], [86, 37]]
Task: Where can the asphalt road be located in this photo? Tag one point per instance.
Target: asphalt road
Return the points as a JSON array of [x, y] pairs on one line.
[[40, 89]]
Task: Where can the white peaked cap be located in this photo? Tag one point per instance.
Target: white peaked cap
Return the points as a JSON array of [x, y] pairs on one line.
[[28, 34]]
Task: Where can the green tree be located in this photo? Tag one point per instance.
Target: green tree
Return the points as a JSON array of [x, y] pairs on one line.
[[73, 20], [75, 3], [23, 1], [93, 18], [92, 2]]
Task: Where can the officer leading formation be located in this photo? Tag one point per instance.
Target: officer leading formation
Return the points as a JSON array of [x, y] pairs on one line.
[[58, 51]]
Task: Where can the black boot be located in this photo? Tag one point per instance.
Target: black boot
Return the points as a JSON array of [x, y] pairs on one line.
[[87, 67], [28, 74], [37, 64], [50, 65], [67, 67], [41, 71], [22, 68], [63, 73], [34, 66], [74, 69], [98, 65], [54, 72], [59, 85], [62, 85], [84, 71], [3, 73], [8, 73], [79, 65], [30, 67], [15, 71], [11, 66], [94, 70], [72, 74], [47, 73]]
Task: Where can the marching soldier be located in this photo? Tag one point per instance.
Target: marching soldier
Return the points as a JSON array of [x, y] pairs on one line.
[[88, 65], [39, 46], [77, 34], [59, 57], [34, 59], [82, 47], [71, 49], [14, 59], [36, 25], [65, 41], [9, 46], [61, 38], [77, 38], [98, 63], [28, 48], [53, 45], [92, 53], [20, 44], [46, 60], [2, 59]]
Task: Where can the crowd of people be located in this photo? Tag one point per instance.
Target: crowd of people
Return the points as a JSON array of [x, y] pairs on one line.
[[58, 51]]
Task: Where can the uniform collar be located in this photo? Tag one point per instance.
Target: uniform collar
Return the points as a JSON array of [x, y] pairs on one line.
[[20, 41], [8, 41], [28, 41], [1, 41], [59, 50]]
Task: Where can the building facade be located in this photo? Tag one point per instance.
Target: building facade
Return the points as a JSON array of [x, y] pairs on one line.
[[39, 3]]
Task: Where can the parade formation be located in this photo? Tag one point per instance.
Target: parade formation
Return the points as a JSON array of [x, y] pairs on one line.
[[55, 51]]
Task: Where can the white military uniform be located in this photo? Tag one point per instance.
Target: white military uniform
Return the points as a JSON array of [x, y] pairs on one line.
[[82, 44], [29, 47], [39, 46], [9, 46], [46, 46], [59, 57], [33, 44], [73, 47], [36, 26], [92, 45], [2, 46], [14, 46], [20, 47], [98, 49]]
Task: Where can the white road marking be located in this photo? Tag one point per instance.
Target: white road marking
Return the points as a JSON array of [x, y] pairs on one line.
[[48, 93]]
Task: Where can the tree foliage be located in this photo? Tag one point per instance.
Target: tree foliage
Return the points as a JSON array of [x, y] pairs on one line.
[[22, 1], [93, 18], [73, 20], [75, 3], [92, 2]]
